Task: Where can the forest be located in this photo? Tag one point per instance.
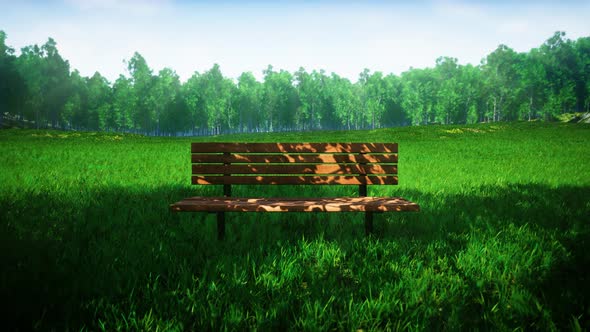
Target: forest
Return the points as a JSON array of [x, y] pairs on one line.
[[39, 89]]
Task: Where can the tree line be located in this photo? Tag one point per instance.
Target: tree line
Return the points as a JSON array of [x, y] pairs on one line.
[[38, 88]]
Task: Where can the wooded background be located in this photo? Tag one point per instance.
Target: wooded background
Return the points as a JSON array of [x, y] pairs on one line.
[[39, 89]]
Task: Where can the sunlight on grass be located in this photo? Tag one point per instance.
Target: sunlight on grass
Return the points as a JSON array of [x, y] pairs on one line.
[[501, 241]]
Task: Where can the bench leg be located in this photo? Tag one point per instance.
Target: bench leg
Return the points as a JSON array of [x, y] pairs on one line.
[[220, 225], [368, 223]]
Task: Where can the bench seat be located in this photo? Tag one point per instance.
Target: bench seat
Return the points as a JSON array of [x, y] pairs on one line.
[[307, 204]]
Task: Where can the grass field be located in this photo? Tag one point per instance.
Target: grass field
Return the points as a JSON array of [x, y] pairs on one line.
[[502, 241]]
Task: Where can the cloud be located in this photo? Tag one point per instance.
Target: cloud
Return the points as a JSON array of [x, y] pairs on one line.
[[142, 7]]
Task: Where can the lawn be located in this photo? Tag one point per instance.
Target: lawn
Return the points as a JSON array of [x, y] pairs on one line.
[[501, 243]]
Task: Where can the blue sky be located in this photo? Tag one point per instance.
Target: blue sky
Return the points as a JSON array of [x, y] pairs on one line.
[[338, 36]]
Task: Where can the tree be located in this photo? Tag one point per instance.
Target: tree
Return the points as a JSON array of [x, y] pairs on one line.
[[56, 72], [141, 76], [373, 96], [469, 88], [178, 118], [418, 95], [193, 99], [562, 68], [45, 76], [326, 109], [12, 86], [394, 113], [310, 91], [447, 73], [279, 99], [5, 50], [248, 102], [216, 94], [500, 72], [533, 87], [29, 65], [342, 94], [165, 91], [582, 49], [124, 100], [100, 112], [75, 113]]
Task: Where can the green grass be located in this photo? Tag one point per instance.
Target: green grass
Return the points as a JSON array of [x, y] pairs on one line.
[[502, 241]]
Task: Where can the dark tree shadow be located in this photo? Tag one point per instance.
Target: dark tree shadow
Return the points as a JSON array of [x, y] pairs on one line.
[[59, 252]]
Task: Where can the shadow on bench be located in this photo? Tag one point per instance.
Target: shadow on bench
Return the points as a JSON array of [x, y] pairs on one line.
[[359, 164]]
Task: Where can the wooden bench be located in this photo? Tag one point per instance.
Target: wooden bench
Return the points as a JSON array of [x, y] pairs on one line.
[[359, 164]]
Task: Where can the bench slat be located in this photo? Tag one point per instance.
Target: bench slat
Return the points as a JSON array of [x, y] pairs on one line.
[[295, 169], [294, 147], [293, 180], [294, 158], [322, 204]]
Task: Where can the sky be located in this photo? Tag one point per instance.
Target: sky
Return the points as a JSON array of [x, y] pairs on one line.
[[343, 37]]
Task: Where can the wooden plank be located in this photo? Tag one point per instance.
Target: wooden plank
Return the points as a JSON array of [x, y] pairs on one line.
[[294, 158], [323, 204], [294, 169], [294, 180], [294, 147]]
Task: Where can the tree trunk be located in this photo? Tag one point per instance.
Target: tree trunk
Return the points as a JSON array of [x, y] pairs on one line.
[[37, 124], [348, 119], [495, 110], [530, 107], [241, 125], [228, 117], [311, 126], [466, 109]]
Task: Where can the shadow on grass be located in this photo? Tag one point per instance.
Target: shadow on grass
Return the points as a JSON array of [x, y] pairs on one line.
[[60, 254], [554, 213]]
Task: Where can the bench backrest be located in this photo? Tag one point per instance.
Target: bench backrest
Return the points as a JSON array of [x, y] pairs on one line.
[[294, 163]]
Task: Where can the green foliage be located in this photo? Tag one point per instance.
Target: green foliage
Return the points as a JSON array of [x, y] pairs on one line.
[[124, 100], [12, 86], [194, 101], [216, 92], [87, 241], [345, 100], [278, 99], [38, 89]]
